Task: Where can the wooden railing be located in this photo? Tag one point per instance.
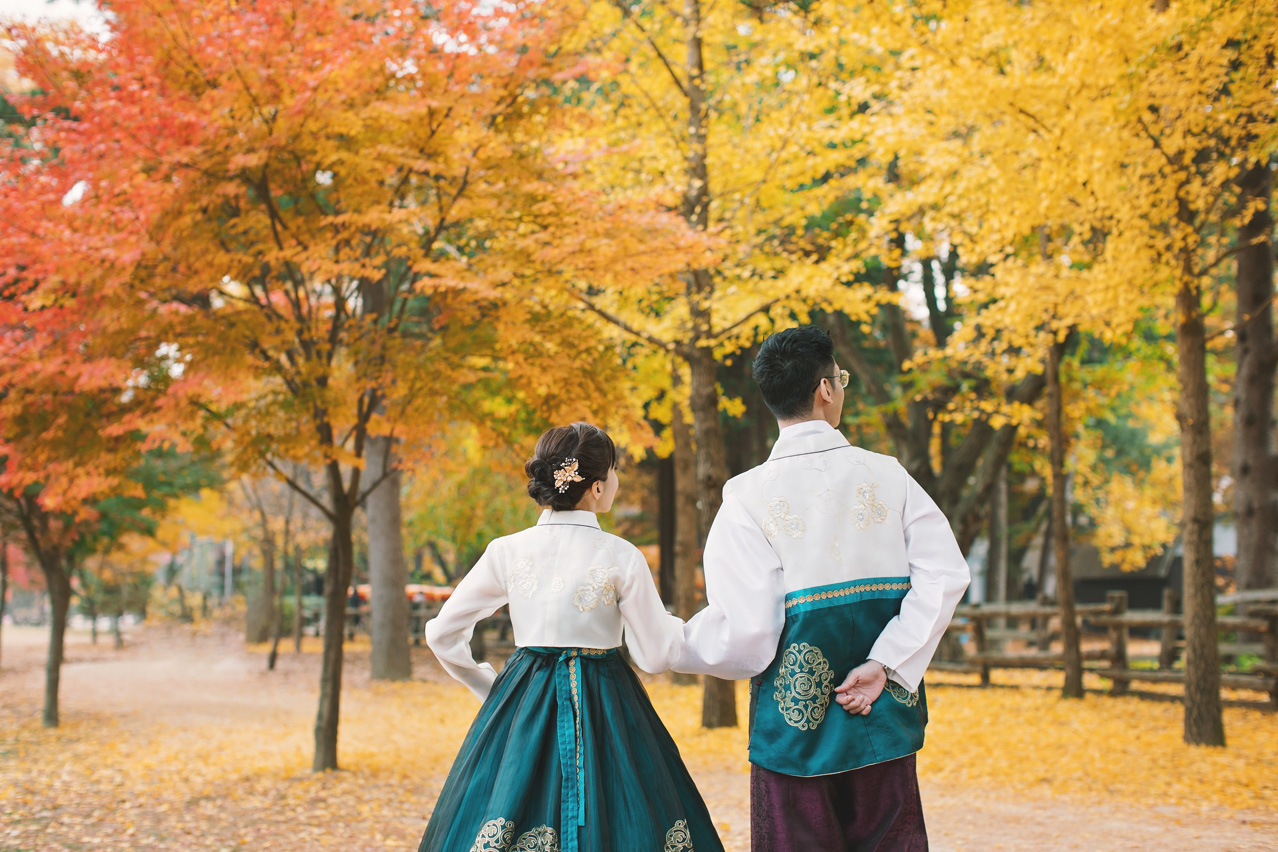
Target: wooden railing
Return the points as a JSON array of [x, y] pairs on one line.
[[1034, 628]]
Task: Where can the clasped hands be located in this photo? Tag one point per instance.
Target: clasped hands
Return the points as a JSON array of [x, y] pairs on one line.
[[861, 688]]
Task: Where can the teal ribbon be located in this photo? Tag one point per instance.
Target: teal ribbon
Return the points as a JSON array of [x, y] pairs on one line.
[[570, 697]]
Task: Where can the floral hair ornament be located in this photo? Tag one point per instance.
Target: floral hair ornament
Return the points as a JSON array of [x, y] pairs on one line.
[[566, 475]]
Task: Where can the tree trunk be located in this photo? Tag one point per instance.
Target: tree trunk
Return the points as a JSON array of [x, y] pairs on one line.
[[1255, 471], [1073, 687], [337, 578], [387, 569], [996, 564], [58, 579], [4, 583], [719, 705], [666, 528], [297, 600], [257, 623], [1204, 724], [115, 630], [685, 525], [91, 604], [277, 618]]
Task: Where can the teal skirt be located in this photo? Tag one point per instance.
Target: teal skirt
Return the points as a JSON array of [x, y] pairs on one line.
[[567, 754]]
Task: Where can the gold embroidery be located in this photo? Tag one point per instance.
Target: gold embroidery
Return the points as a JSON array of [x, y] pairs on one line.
[[540, 839], [494, 836], [850, 590], [600, 590], [678, 838], [803, 686], [869, 508], [901, 694], [497, 834], [781, 520]]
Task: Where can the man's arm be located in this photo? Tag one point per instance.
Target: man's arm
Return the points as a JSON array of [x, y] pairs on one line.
[[736, 634], [938, 578]]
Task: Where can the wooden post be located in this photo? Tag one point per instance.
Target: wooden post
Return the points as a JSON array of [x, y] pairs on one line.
[[1044, 624], [1118, 642], [1167, 647], [982, 647]]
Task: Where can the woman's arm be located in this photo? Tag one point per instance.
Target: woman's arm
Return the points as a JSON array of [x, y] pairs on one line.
[[654, 636], [480, 593]]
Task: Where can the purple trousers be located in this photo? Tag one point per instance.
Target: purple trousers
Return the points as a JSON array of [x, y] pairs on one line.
[[872, 809]]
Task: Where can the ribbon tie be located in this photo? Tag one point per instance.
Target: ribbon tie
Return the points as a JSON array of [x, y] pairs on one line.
[[572, 746]]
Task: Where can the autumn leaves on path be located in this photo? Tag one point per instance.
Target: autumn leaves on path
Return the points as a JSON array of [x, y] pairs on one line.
[[182, 741]]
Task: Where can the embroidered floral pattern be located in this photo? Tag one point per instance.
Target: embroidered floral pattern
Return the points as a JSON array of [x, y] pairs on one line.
[[781, 520], [678, 838], [901, 694], [868, 509], [522, 578], [803, 686], [541, 839], [600, 590], [494, 836], [497, 834], [557, 584]]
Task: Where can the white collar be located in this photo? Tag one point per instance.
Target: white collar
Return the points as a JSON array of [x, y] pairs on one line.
[[573, 517], [804, 429], [810, 436]]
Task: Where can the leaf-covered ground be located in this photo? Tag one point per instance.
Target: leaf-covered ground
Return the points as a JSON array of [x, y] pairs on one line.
[[182, 741]]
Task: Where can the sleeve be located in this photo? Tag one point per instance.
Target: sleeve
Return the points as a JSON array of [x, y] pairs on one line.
[[736, 635], [654, 636], [938, 577], [479, 594]]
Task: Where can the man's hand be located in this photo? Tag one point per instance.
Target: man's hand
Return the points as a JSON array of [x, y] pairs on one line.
[[861, 688]]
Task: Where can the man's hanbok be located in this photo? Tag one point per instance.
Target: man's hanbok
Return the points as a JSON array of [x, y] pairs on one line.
[[823, 557], [567, 752]]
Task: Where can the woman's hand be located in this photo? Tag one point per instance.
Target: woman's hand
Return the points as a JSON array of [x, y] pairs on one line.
[[862, 687]]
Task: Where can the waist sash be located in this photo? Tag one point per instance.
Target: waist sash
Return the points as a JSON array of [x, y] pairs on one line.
[[796, 728], [569, 671]]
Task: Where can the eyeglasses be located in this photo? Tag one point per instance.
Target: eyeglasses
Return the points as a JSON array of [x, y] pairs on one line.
[[844, 377]]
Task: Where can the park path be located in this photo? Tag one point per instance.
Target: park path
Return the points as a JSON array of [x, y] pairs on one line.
[[208, 687]]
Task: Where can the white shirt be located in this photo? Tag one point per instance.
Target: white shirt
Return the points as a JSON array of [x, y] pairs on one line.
[[568, 584], [804, 489]]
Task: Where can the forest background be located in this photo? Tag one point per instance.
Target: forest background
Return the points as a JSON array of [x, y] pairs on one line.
[[313, 275]]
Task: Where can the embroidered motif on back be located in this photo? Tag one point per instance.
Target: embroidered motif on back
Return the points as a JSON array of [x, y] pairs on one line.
[[781, 520], [678, 838], [868, 508], [600, 590], [522, 578], [803, 686]]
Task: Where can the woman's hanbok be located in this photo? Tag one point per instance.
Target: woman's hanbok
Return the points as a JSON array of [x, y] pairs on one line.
[[567, 752]]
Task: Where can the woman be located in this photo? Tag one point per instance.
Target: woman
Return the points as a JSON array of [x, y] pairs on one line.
[[566, 752]]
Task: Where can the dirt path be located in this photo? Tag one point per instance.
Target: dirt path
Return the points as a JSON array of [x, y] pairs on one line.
[[115, 777]]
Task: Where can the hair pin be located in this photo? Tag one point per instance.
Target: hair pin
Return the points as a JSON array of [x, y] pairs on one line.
[[566, 475]]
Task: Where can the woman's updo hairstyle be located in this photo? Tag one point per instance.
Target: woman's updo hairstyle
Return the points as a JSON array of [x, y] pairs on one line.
[[589, 445]]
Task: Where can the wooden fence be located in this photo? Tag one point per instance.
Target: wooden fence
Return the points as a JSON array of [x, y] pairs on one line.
[[1034, 627]]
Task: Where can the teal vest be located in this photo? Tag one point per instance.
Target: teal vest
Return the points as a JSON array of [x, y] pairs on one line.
[[796, 726]]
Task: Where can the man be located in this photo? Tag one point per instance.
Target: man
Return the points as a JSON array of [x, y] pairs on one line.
[[830, 578]]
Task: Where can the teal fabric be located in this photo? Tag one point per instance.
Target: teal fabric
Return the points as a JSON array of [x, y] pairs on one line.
[[567, 753], [796, 726]]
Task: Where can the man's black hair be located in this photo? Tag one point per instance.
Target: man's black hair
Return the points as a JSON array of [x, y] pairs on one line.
[[789, 367]]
